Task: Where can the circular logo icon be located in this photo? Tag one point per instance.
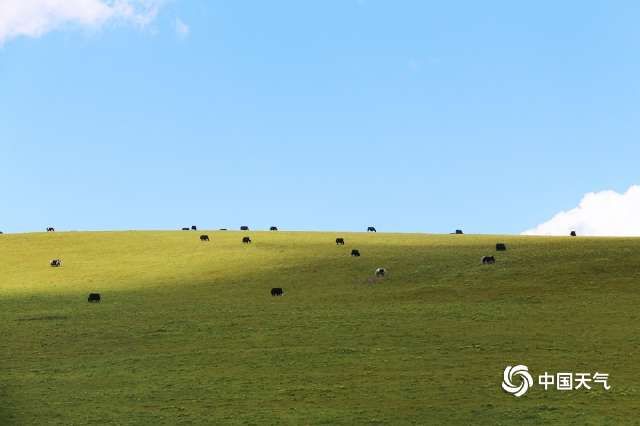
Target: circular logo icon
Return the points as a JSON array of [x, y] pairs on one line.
[[521, 374]]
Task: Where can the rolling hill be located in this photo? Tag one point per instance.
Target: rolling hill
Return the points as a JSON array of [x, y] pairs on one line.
[[188, 333]]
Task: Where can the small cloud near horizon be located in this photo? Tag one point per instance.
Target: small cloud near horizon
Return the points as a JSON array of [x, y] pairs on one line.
[[604, 213]]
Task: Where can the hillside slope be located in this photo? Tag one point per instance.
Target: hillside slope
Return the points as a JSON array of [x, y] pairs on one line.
[[187, 331]]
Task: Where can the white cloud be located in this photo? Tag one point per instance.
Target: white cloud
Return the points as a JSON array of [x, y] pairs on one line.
[[606, 213], [182, 29], [33, 18]]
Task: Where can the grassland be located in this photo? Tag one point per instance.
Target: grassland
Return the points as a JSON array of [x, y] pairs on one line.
[[187, 332]]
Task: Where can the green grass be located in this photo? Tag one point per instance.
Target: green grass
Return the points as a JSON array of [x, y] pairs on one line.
[[187, 332]]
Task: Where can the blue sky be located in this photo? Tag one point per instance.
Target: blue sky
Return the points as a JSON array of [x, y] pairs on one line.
[[328, 115]]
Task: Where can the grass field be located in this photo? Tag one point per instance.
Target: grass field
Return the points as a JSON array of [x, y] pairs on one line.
[[187, 332]]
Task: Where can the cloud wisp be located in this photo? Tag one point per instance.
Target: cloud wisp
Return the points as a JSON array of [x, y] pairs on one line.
[[605, 213], [182, 29], [34, 18]]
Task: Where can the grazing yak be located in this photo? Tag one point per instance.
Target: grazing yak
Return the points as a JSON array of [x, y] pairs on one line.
[[380, 272], [277, 291], [355, 253], [488, 260], [244, 228], [55, 263], [340, 241], [273, 228], [93, 298], [573, 234], [501, 247], [194, 228], [50, 229], [246, 240], [185, 229], [371, 229], [204, 238], [459, 232]]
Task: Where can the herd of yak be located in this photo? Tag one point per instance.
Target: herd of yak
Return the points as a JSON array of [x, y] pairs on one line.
[[379, 273], [277, 291]]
